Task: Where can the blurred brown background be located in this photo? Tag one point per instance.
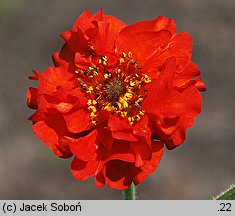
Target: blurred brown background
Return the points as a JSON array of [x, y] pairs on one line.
[[29, 34]]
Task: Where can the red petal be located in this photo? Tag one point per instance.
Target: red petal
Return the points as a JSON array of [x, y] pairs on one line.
[[162, 99], [121, 151], [84, 147], [180, 47], [193, 107], [104, 34], [142, 152], [64, 107], [144, 45], [81, 61], [76, 41], [165, 23], [105, 137], [100, 180], [120, 129], [124, 135], [184, 78], [83, 21], [50, 137], [53, 78], [161, 23], [117, 124], [32, 96], [63, 57], [82, 170], [46, 134], [119, 174], [151, 166], [179, 135], [200, 85], [77, 121]]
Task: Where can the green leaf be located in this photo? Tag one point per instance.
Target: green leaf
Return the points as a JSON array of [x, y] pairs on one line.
[[229, 194]]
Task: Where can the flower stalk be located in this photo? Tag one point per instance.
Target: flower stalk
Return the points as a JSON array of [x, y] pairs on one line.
[[130, 193]]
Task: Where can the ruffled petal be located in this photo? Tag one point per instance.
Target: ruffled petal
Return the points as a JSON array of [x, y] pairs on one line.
[[144, 45], [51, 79], [84, 148], [179, 47], [119, 174], [178, 137], [32, 96], [117, 124], [77, 121], [200, 85], [82, 170], [165, 23], [150, 166], [51, 138], [83, 21], [161, 23], [121, 150]]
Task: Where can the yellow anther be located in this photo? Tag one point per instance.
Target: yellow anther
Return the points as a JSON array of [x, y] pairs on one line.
[[128, 96], [92, 108], [90, 89], [119, 105], [132, 83], [92, 115], [123, 114], [123, 102], [119, 70], [137, 118], [138, 101], [95, 73], [130, 54], [106, 76], [90, 68], [94, 102], [124, 54], [108, 107], [121, 60], [94, 122], [141, 112], [146, 78], [104, 58], [89, 102]]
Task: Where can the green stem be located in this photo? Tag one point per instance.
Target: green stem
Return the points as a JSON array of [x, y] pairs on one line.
[[129, 193], [229, 194]]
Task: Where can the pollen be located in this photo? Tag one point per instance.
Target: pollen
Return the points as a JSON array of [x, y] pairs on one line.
[[106, 76], [121, 60], [114, 87]]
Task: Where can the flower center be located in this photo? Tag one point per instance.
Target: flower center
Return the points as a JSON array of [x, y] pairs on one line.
[[113, 89], [114, 84]]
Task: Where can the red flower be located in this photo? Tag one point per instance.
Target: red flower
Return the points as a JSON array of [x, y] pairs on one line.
[[117, 93]]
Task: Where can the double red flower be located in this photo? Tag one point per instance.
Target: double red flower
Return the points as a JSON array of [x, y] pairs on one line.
[[117, 93]]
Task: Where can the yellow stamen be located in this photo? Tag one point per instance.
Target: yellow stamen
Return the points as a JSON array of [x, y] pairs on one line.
[[121, 60], [130, 54], [124, 54]]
